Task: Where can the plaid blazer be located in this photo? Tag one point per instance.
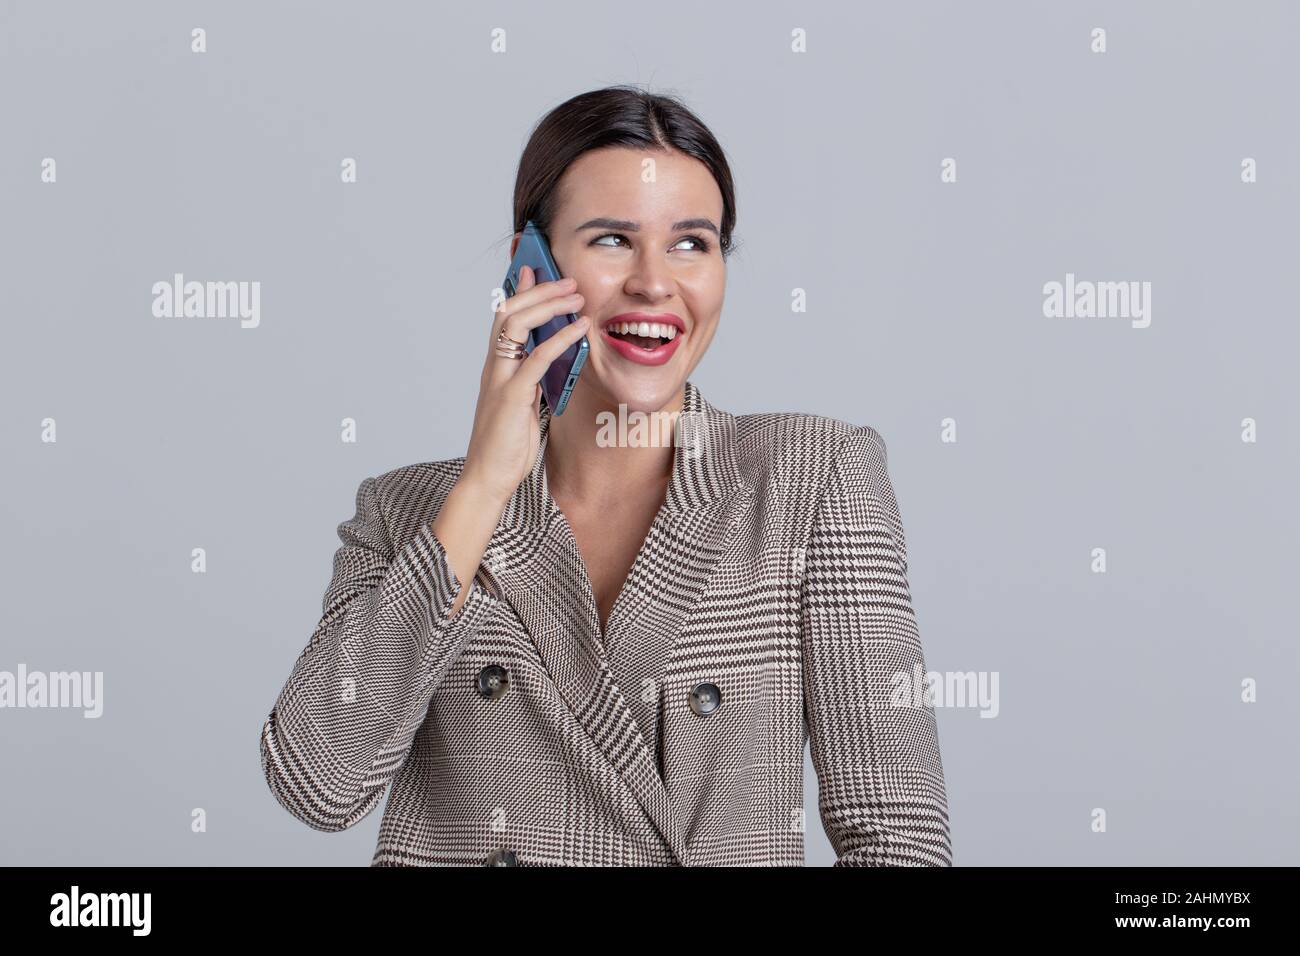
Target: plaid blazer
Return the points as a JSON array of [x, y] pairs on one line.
[[769, 606]]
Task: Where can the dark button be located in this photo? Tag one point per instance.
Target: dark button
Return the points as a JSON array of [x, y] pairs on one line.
[[502, 857], [493, 681], [705, 699]]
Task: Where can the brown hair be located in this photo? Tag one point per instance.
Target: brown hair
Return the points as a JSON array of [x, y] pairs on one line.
[[614, 116]]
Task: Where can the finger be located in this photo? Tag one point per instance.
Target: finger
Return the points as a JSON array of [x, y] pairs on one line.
[[527, 280], [518, 323], [518, 326], [532, 369], [528, 294]]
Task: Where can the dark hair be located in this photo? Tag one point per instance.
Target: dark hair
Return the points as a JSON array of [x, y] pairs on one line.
[[614, 116]]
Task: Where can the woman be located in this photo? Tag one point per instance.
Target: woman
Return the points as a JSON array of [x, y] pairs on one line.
[[652, 631]]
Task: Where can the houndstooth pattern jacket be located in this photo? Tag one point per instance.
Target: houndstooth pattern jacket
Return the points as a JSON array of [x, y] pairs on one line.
[[769, 606]]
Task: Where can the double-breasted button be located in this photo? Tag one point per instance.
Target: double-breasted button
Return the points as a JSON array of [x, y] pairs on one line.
[[493, 681], [502, 857], [705, 699]]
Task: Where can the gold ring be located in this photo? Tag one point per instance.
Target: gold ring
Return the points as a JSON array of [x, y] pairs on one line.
[[506, 347]]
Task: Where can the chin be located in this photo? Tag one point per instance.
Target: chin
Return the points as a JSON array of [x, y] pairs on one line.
[[646, 390]]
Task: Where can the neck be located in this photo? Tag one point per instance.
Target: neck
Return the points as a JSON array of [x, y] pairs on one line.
[[582, 471]]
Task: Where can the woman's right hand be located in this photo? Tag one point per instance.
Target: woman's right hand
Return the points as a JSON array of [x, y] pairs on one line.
[[507, 428]]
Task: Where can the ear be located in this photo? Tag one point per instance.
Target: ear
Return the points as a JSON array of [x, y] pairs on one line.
[[514, 244]]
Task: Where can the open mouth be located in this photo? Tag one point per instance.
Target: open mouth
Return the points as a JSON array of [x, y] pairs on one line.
[[645, 339], [644, 334], [647, 342]]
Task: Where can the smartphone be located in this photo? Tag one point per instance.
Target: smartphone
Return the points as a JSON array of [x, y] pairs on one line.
[[558, 382]]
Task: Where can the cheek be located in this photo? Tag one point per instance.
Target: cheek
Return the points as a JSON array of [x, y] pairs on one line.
[[704, 299], [596, 285], [704, 336]]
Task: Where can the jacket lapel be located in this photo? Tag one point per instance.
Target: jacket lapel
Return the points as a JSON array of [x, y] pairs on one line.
[[535, 563]]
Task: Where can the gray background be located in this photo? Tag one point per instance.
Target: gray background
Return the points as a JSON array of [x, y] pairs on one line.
[[1118, 691]]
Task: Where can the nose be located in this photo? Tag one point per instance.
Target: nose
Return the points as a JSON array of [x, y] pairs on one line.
[[650, 277]]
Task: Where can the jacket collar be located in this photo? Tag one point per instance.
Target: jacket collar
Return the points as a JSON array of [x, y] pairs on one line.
[[704, 465], [536, 567]]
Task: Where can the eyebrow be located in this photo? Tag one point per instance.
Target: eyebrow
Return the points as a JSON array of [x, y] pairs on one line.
[[628, 226]]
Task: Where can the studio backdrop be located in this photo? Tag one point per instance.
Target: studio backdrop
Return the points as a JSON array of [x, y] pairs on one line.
[[1047, 251]]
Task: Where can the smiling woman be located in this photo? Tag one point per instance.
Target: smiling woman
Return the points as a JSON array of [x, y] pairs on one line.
[[562, 650], [653, 278]]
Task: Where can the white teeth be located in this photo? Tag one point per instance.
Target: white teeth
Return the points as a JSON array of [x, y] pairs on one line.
[[661, 330]]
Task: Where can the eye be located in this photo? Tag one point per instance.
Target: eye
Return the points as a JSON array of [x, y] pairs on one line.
[[702, 244]]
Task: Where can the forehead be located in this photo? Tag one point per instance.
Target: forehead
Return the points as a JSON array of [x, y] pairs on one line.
[[617, 182]]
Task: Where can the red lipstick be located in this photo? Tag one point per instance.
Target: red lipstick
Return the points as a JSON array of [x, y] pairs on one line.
[[635, 353]]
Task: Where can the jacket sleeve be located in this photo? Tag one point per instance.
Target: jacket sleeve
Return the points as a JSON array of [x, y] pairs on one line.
[[881, 796], [344, 722]]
